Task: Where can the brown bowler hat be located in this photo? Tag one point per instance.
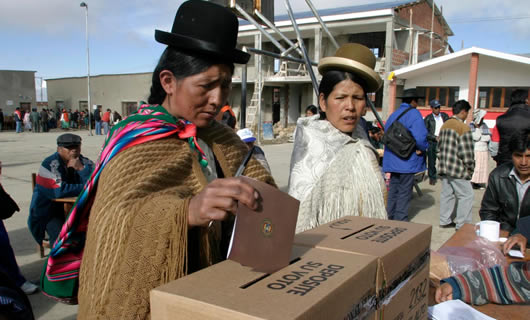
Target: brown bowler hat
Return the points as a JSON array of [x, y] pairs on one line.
[[355, 58]]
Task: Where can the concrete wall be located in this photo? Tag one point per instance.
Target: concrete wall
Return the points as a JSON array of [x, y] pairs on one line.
[[110, 91], [456, 75], [492, 72], [16, 87]]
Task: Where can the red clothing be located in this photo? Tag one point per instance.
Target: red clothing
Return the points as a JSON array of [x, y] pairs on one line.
[[106, 117]]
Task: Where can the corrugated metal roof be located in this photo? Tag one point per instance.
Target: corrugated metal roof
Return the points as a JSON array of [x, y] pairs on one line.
[[341, 10]]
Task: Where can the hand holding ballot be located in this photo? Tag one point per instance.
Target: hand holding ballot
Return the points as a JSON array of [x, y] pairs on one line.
[[218, 199]]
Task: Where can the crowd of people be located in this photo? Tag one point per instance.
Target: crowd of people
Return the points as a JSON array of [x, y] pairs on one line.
[[46, 119], [157, 203]]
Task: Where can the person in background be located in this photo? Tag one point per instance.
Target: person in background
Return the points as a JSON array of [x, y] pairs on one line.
[[52, 124], [227, 116], [433, 122], [311, 110], [63, 174], [44, 120], [8, 263], [507, 198], [1, 119], [35, 120], [18, 120], [499, 284], [456, 163], [516, 119], [65, 120], [375, 136], [402, 170], [247, 136], [27, 121], [334, 172], [116, 118], [105, 120], [481, 136], [97, 120]]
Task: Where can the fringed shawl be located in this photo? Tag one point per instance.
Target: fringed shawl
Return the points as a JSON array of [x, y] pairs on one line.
[[333, 175]]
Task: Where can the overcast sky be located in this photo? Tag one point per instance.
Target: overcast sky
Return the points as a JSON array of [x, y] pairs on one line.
[[49, 36]]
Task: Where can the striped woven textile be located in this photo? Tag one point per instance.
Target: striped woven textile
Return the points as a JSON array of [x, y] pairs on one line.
[[147, 124], [501, 285]]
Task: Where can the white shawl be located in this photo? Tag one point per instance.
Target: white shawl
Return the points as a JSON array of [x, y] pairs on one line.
[[333, 175]]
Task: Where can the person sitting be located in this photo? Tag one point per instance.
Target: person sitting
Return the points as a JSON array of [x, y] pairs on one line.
[[506, 198], [499, 284], [63, 174], [333, 171], [247, 136]]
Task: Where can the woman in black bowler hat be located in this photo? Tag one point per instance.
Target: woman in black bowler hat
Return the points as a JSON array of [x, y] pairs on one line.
[[162, 198]]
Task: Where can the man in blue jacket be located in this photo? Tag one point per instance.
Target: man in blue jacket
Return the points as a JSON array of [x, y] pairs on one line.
[[402, 170], [63, 174]]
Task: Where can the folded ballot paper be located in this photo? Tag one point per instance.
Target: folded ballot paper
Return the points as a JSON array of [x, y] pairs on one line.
[[262, 239], [456, 310]]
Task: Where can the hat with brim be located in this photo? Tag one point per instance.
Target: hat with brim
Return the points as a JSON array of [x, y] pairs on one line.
[[354, 58], [68, 140], [411, 93], [205, 29]]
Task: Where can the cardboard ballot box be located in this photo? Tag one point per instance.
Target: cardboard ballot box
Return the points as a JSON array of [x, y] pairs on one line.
[[318, 284], [402, 250]]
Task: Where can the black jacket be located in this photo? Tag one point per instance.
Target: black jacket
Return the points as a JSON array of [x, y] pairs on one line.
[[500, 201], [97, 115], [430, 124], [517, 118]]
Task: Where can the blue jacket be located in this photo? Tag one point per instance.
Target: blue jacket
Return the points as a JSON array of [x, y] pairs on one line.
[[54, 180], [413, 121]]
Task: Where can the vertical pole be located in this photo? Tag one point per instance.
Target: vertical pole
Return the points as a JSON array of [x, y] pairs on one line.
[[389, 56], [258, 83], [88, 76], [432, 30], [243, 120], [410, 36], [473, 75]]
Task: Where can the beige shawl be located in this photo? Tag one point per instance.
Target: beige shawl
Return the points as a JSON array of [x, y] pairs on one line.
[[333, 175], [138, 235]]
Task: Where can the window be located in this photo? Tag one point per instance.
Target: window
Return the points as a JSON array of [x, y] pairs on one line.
[[496, 97], [446, 95]]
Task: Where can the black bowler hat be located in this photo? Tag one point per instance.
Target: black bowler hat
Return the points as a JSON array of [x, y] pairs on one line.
[[411, 93], [205, 28], [68, 140]]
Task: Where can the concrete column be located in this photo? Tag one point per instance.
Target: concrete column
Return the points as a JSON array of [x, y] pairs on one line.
[[388, 68], [392, 97], [317, 56], [473, 75]]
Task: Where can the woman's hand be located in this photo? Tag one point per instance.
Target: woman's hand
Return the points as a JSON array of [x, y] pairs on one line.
[[443, 293], [219, 198], [518, 239]]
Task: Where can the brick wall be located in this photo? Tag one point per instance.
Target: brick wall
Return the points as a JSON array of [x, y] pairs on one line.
[[399, 57], [421, 17]]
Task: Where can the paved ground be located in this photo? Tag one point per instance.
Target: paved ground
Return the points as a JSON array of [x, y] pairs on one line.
[[21, 154]]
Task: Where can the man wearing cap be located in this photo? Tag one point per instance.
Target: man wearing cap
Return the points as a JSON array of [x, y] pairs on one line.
[[402, 170], [63, 174], [433, 123], [247, 136]]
